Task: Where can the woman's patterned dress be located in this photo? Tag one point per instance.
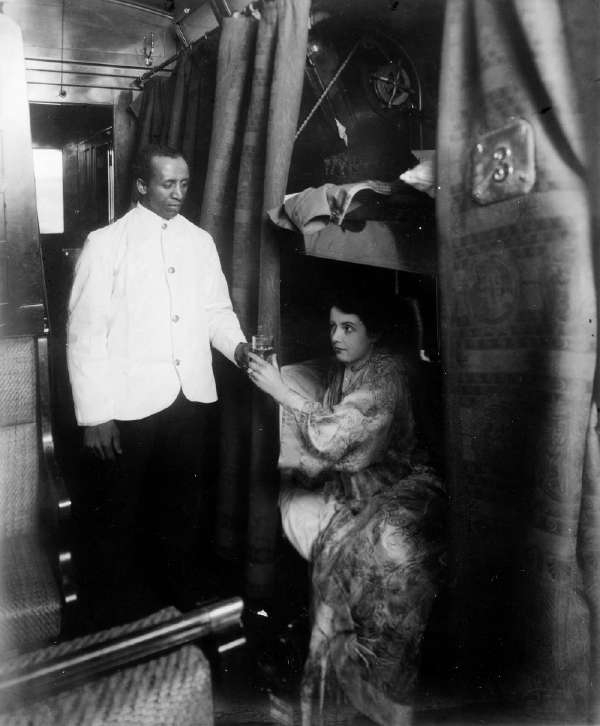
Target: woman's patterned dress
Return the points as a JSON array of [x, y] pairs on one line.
[[377, 553]]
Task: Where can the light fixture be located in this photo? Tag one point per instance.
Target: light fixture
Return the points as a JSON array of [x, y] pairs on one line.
[[149, 49]]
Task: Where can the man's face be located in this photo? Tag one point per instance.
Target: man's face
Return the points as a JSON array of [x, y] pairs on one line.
[[165, 191]]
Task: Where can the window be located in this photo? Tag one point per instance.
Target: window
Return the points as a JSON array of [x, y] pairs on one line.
[[48, 170]]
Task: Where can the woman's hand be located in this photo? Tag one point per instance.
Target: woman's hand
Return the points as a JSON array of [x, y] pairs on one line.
[[266, 376]]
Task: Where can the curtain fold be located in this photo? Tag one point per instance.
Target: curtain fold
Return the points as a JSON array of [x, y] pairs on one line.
[[259, 82], [519, 303], [177, 111], [235, 121], [153, 113], [234, 68]]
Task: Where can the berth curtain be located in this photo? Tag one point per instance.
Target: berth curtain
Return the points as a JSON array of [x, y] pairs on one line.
[[177, 111], [233, 110], [519, 306], [260, 71]]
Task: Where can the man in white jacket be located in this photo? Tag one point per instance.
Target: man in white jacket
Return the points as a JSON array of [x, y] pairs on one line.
[[149, 299]]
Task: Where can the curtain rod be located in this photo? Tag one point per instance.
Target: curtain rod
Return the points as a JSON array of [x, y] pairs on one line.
[[69, 61], [140, 80], [220, 10]]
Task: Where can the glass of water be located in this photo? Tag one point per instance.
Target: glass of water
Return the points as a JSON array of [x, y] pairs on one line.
[[262, 345]]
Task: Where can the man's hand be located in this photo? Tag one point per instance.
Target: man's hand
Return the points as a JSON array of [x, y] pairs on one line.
[[103, 440], [241, 355]]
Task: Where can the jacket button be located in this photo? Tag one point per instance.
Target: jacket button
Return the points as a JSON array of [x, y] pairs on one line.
[[171, 270], [177, 361], [164, 225], [174, 318]]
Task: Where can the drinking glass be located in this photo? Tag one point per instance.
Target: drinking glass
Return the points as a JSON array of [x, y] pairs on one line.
[[262, 345]]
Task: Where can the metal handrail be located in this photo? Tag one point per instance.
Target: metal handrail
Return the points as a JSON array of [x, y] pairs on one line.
[[43, 679]]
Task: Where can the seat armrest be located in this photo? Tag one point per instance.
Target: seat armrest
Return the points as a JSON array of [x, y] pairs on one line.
[[57, 502], [73, 663]]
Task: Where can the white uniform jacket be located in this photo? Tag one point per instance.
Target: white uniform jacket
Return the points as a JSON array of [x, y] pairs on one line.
[[148, 300]]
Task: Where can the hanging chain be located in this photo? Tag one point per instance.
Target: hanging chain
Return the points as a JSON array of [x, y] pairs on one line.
[[62, 93], [327, 89]]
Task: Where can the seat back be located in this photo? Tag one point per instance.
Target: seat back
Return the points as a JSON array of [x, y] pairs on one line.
[[30, 596], [19, 491]]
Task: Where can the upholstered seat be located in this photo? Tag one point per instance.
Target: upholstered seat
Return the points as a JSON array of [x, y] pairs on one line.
[[146, 672], [30, 604], [30, 594], [171, 689]]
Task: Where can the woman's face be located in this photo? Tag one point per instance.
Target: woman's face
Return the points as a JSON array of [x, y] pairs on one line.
[[349, 338]]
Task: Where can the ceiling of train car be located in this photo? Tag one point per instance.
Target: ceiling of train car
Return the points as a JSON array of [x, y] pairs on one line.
[[63, 37], [167, 6], [159, 4], [406, 13]]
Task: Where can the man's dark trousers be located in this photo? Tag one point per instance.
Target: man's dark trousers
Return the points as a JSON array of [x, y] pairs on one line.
[[147, 516]]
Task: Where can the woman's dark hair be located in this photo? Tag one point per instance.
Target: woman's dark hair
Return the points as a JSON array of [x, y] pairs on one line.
[[393, 320], [142, 166], [369, 308]]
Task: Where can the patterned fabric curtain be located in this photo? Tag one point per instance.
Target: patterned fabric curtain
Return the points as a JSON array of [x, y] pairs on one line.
[[259, 84], [518, 273]]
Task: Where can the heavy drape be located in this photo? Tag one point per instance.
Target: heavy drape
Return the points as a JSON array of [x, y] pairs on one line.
[[519, 320], [260, 74], [250, 101], [177, 111]]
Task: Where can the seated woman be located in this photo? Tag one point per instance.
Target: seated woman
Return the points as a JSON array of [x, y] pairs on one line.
[[367, 512]]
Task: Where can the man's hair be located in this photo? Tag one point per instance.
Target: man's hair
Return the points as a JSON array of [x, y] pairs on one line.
[[142, 166]]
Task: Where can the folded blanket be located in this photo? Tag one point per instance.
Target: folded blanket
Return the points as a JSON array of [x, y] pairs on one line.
[[423, 175], [314, 208]]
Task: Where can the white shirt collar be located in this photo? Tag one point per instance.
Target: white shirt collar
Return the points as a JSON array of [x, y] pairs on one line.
[[152, 217]]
